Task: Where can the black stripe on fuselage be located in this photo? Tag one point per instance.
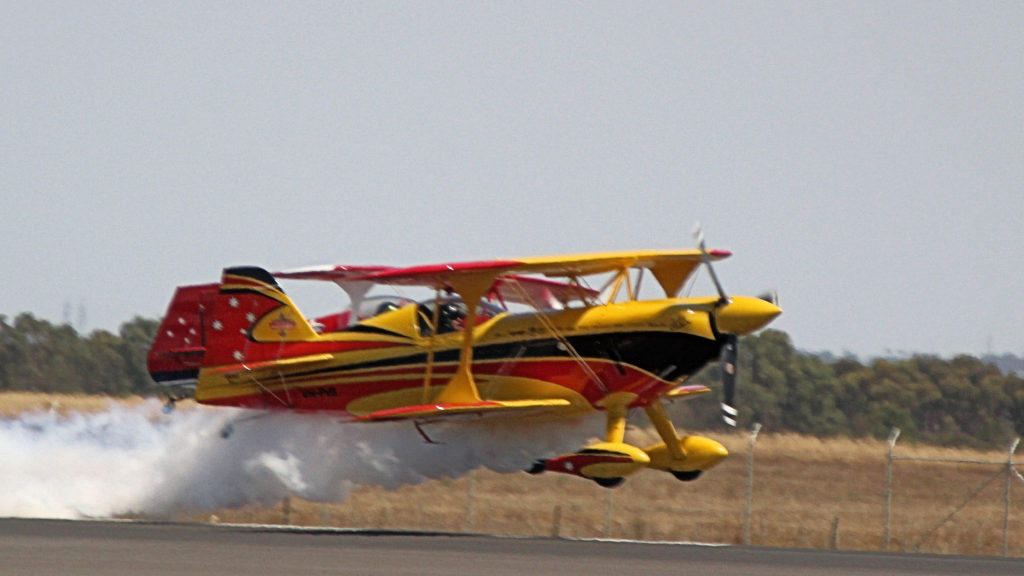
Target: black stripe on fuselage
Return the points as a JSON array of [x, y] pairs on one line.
[[364, 329], [670, 355]]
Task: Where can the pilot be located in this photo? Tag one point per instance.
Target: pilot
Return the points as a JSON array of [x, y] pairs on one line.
[[451, 317]]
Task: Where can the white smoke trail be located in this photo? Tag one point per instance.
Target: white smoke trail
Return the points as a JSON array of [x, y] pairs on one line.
[[137, 460]]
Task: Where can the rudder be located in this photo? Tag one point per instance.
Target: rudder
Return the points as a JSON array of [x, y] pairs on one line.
[[179, 347]]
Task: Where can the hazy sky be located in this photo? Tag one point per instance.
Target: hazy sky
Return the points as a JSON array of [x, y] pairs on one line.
[[866, 159]]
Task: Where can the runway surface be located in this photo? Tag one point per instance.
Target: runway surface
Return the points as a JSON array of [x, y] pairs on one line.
[[54, 547]]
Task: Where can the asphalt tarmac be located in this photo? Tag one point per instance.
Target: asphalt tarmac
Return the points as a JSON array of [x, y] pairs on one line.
[[54, 547]]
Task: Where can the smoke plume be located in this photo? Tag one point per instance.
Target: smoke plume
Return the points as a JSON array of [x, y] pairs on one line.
[[137, 460]]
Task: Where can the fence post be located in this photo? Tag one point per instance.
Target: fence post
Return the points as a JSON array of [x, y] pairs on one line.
[[609, 503], [556, 524], [834, 536], [893, 435], [1009, 483], [470, 501], [750, 481]]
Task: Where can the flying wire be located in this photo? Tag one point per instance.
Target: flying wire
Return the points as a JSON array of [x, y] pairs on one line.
[[559, 337]]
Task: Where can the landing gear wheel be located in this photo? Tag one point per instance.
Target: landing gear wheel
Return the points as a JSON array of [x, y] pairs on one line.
[[537, 467], [686, 476], [609, 482]]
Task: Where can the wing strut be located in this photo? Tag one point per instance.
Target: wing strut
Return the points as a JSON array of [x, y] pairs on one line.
[[462, 387], [435, 319]]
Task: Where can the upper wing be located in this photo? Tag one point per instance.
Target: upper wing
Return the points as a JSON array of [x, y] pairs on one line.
[[332, 273], [535, 289], [584, 264], [670, 268]]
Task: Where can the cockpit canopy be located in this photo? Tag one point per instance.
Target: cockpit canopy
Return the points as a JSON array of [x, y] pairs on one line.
[[450, 315]]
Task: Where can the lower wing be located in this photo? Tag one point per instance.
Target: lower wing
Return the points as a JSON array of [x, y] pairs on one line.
[[439, 411]]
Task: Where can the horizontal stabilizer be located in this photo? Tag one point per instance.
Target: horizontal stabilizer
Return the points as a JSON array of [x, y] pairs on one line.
[[275, 365], [439, 411]]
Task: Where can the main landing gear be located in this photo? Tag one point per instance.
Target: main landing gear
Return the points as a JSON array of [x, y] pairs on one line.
[[608, 463]]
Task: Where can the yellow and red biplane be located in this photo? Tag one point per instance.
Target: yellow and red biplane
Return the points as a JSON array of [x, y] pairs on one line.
[[503, 337]]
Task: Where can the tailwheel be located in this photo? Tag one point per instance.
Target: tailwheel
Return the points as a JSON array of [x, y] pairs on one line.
[[537, 467], [686, 475], [609, 482]]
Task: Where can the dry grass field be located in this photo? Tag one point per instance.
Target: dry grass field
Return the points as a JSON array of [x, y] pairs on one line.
[[807, 493], [14, 403]]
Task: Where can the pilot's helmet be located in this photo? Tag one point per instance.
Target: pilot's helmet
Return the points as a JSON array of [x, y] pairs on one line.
[[452, 310]]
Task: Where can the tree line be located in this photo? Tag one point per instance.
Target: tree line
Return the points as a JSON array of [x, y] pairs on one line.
[[38, 356], [960, 401]]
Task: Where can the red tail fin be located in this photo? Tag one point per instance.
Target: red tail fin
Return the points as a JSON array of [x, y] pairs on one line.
[[180, 344], [253, 319]]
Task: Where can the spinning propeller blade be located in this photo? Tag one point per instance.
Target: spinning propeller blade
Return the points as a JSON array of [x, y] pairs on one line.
[[698, 236], [730, 352], [730, 348], [771, 296]]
